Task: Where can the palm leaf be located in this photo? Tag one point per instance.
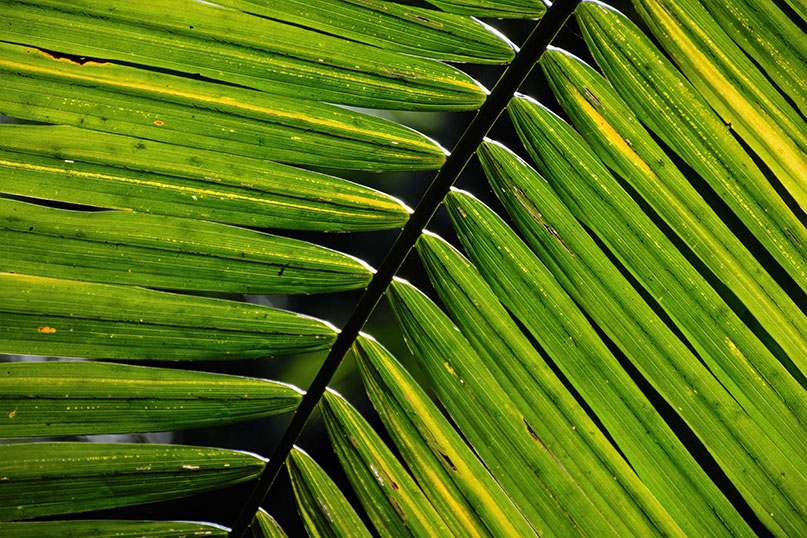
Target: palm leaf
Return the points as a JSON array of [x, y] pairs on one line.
[[174, 127]]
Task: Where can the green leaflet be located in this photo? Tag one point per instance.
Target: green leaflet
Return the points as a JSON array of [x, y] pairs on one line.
[[49, 399], [42, 479], [451, 476], [617, 137], [509, 9], [554, 498], [111, 529], [325, 511], [749, 457], [121, 247], [157, 106], [120, 172], [390, 496], [734, 87], [409, 29], [800, 7], [234, 47], [660, 460], [773, 40], [265, 526], [47, 316], [736, 357], [672, 109]]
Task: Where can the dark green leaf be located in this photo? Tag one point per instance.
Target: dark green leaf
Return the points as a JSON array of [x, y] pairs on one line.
[[155, 251], [325, 511], [48, 399], [158, 106], [42, 479], [264, 526], [110, 529], [48, 316], [451, 476], [658, 458], [120, 172], [223, 44], [390, 496]]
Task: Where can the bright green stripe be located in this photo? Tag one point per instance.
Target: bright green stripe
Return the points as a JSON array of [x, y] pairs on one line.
[[101, 169], [414, 30], [137, 249], [615, 134], [736, 357], [658, 457], [47, 399], [111, 529], [451, 476], [151, 105], [502, 9], [752, 460], [673, 110], [78, 477], [46, 316], [774, 41], [228, 45], [390, 496], [325, 511], [734, 87], [539, 480], [265, 526]]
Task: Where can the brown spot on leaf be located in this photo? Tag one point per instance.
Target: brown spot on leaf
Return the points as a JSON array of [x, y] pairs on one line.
[[47, 330], [12, 414]]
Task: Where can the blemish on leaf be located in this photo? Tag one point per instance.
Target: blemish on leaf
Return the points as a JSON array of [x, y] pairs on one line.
[[12, 414], [158, 123], [531, 431], [448, 461], [47, 330]]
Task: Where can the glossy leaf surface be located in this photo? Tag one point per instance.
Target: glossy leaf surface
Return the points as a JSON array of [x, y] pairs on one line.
[[111, 529], [48, 399], [91, 476], [47, 316], [121, 247]]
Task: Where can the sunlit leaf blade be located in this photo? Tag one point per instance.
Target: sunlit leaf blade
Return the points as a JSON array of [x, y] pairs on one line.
[[42, 479], [773, 40], [583, 188], [659, 459], [451, 476], [48, 399], [390, 496], [325, 511], [556, 499], [255, 52], [674, 111], [120, 172], [617, 137], [48, 316], [742, 95], [158, 106], [111, 529], [121, 247], [265, 526], [505, 9], [766, 474], [410, 29]]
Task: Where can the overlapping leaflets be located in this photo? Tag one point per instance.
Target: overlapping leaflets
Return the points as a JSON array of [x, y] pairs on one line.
[[392, 499], [94, 168], [414, 30], [612, 130], [234, 47], [748, 453], [325, 511], [451, 476], [668, 104], [520, 281]]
